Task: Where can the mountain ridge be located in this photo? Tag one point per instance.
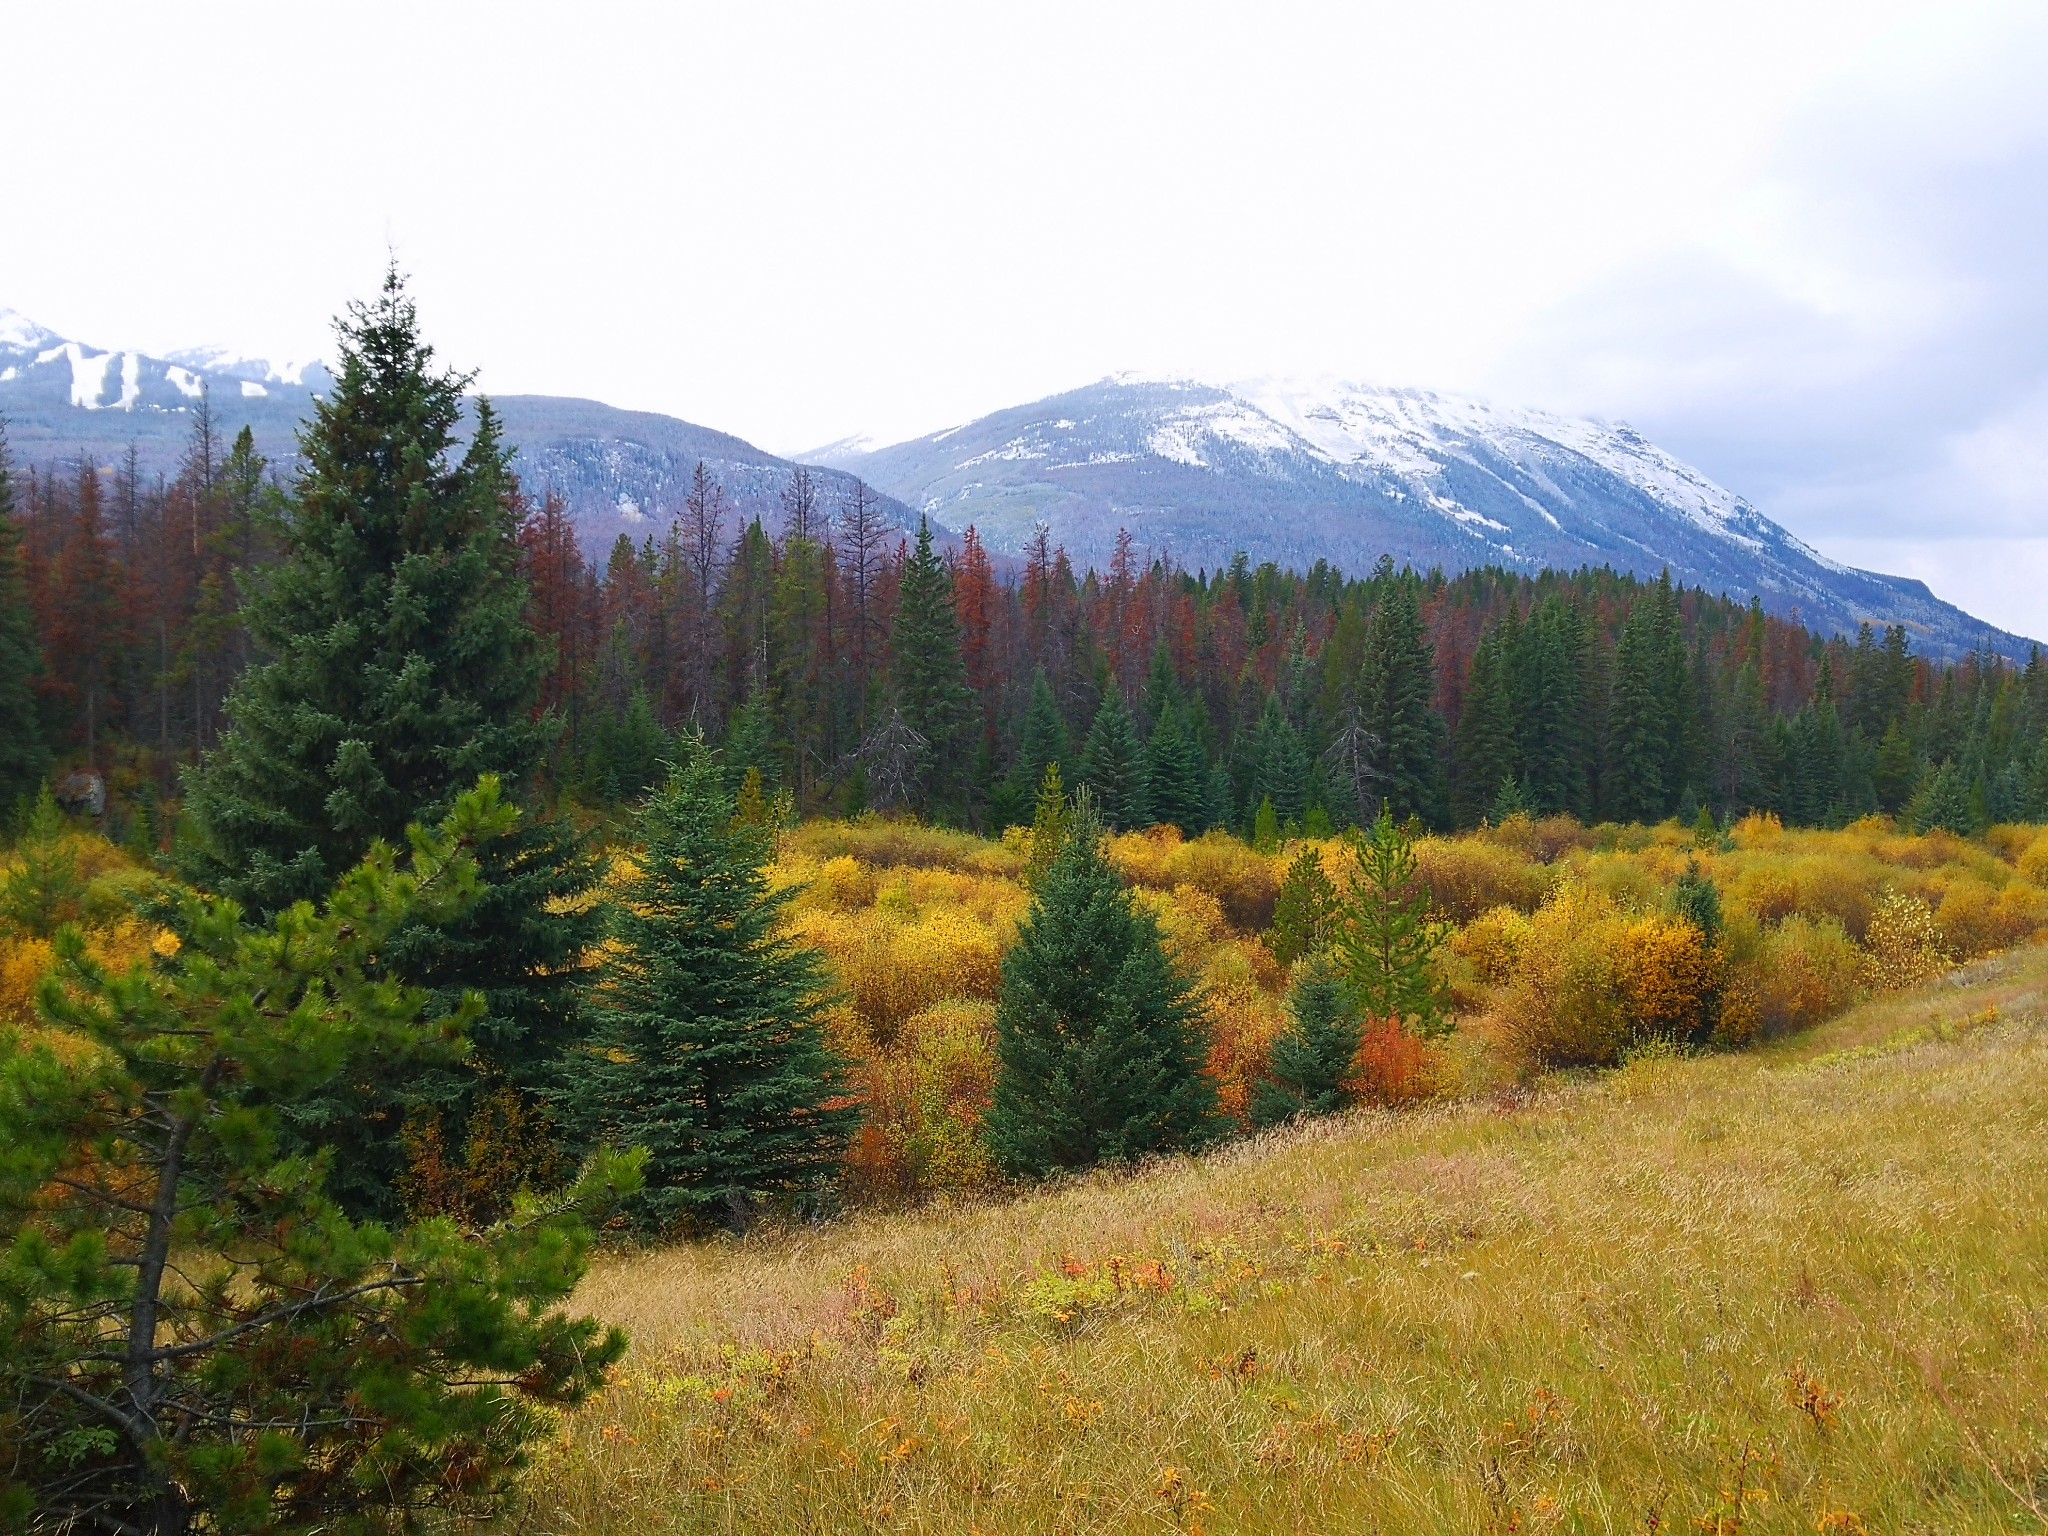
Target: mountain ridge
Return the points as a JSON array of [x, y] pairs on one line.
[[1284, 469], [1296, 471]]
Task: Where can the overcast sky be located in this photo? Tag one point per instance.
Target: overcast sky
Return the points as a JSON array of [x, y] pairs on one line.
[[1800, 244]]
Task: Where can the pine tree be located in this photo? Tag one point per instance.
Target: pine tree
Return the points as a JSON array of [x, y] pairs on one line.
[[1043, 741], [1943, 804], [1113, 766], [1484, 751], [1632, 786], [1098, 1032], [1305, 913], [1386, 942], [1048, 826], [928, 674], [1280, 766], [1176, 776], [400, 667], [197, 1338], [1396, 693], [1312, 1058], [708, 1048], [24, 758]]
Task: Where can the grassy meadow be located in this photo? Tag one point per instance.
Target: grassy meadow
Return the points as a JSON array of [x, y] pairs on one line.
[[1794, 1288], [1557, 1274]]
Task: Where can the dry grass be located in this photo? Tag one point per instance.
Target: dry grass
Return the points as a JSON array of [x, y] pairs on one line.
[[1795, 1289]]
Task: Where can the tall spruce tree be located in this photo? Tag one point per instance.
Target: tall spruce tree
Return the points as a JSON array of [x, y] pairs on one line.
[[1113, 765], [1177, 789], [1043, 740], [24, 758], [1098, 1031], [1484, 749], [1396, 694], [1632, 787], [928, 674], [399, 668], [708, 1047]]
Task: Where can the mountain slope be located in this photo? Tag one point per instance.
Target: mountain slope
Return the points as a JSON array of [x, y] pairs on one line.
[[621, 472], [1296, 472]]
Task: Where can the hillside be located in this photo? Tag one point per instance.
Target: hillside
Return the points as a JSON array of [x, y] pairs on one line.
[[1791, 1290], [1299, 471]]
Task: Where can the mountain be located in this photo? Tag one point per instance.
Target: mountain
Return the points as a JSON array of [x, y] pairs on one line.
[[1299, 471], [621, 472]]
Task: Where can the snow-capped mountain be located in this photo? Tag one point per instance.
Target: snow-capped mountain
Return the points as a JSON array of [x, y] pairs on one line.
[[37, 366], [1297, 471], [621, 472]]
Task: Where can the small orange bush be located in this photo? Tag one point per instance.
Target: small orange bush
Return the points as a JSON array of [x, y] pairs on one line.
[[1392, 1066]]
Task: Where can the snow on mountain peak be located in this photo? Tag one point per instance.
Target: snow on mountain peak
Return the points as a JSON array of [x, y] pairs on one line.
[[17, 330]]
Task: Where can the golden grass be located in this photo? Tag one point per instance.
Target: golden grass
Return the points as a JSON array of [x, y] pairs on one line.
[[1795, 1289]]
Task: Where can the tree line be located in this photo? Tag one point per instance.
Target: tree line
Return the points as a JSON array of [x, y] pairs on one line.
[[855, 666]]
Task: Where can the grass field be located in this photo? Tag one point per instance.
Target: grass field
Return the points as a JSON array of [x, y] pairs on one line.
[[1800, 1288]]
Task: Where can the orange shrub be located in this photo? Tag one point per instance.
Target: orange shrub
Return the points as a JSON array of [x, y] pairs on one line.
[[924, 1100], [1392, 1066]]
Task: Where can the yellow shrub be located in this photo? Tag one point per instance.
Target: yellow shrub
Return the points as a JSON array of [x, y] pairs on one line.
[[24, 962], [1466, 876], [2032, 861], [1541, 842], [1905, 945], [1974, 919], [1590, 979], [1492, 944], [1565, 1005], [1666, 975], [1242, 880], [1787, 977]]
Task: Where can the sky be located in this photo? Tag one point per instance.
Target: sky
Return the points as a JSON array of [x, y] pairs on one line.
[[1798, 243]]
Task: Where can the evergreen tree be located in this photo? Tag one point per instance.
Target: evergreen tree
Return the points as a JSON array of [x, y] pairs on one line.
[[1098, 1032], [1943, 804], [1396, 693], [1312, 1058], [708, 1047], [196, 1336], [1632, 785], [626, 750], [24, 758], [928, 674], [1484, 751], [1113, 765], [1280, 766], [1305, 913], [1176, 776], [1551, 713], [1048, 826], [1386, 942], [1043, 741], [399, 668]]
